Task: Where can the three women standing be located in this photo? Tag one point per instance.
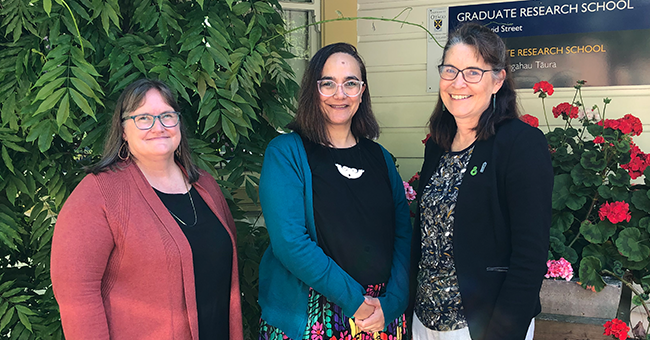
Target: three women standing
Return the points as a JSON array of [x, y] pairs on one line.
[[481, 239], [336, 214], [144, 247]]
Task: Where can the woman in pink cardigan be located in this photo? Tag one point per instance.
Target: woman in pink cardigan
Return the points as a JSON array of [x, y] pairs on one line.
[[144, 247]]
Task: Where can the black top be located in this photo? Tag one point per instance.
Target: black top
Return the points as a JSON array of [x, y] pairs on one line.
[[353, 208], [501, 229], [212, 258]]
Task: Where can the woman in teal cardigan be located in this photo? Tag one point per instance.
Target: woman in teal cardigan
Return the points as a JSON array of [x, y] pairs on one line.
[[336, 213]]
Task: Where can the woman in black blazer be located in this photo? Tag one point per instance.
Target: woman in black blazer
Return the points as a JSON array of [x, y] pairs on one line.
[[480, 244]]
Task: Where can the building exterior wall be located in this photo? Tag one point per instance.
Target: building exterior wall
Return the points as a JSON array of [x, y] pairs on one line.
[[396, 56], [338, 31]]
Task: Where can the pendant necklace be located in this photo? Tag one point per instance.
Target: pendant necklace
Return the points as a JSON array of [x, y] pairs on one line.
[[189, 192]]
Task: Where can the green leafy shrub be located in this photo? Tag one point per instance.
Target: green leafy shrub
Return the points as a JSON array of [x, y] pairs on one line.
[[62, 65]]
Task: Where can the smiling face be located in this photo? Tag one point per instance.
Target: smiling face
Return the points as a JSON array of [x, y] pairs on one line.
[[158, 142], [339, 108], [466, 101]]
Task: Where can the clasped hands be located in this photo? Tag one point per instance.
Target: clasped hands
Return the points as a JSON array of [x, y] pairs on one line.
[[370, 317]]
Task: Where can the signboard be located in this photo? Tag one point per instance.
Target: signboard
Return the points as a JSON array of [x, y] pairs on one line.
[[605, 42]]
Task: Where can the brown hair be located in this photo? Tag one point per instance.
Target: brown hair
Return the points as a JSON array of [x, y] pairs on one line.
[[310, 121], [130, 100], [492, 49]]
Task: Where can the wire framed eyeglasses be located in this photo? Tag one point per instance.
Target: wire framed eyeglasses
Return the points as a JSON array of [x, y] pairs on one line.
[[471, 75], [328, 88], [146, 121]]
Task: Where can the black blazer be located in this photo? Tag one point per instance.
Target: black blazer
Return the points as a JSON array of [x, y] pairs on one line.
[[501, 231]]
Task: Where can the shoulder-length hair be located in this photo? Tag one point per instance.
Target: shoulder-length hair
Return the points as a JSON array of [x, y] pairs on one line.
[[130, 100], [492, 49], [310, 121]]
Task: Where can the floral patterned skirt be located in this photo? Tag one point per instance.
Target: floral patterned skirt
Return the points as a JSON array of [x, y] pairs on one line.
[[326, 321]]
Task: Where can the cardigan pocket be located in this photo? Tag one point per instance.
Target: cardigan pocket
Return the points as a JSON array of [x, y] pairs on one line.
[[497, 269]]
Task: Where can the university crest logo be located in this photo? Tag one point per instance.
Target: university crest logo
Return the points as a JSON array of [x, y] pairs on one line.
[[437, 24]]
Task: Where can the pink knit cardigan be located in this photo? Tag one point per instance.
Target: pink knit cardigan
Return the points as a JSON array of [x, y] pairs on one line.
[[121, 266]]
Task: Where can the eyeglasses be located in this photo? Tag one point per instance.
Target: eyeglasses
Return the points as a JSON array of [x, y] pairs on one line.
[[146, 121], [471, 75], [328, 88]]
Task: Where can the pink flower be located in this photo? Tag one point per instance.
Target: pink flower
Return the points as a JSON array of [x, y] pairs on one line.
[[599, 140], [317, 331], [615, 212], [559, 268], [408, 190], [530, 120], [616, 328]]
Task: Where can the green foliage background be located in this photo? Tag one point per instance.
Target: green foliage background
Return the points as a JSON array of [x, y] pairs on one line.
[[62, 65]]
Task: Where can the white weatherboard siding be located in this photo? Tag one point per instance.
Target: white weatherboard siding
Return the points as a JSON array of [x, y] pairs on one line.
[[396, 57]]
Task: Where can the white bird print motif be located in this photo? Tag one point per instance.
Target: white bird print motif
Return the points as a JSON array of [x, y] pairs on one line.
[[350, 173]]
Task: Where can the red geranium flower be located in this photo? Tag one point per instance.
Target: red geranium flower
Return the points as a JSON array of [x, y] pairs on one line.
[[639, 161], [615, 212], [617, 328], [530, 120], [544, 87], [565, 110], [599, 140], [629, 124]]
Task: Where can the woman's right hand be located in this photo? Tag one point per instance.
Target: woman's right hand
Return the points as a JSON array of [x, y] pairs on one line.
[[364, 311]]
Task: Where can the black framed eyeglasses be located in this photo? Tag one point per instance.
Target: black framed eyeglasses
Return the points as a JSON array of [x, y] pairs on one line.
[[328, 88], [146, 121], [471, 75]]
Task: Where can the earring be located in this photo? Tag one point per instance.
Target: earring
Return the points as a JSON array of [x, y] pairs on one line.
[[494, 102], [444, 108], [178, 152], [122, 151]]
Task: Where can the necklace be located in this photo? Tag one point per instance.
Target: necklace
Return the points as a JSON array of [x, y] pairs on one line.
[[189, 192]]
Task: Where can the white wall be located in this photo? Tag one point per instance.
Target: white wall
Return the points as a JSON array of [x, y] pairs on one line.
[[396, 56]]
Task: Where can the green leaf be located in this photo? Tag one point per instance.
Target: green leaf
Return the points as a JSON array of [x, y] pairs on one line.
[[229, 129], [582, 176], [629, 244], [47, 90], [644, 224], [263, 7], [82, 87], [47, 77], [81, 102], [47, 6], [23, 309], [24, 319], [45, 139], [251, 191], [589, 273], [597, 233], [207, 63], [7, 160], [7, 318], [13, 146], [593, 160], [64, 110], [562, 220], [50, 101], [640, 200], [241, 8]]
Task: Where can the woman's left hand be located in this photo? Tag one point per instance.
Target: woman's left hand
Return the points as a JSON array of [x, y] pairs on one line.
[[375, 322]]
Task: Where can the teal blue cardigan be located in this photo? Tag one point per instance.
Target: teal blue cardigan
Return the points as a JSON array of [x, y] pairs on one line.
[[294, 262]]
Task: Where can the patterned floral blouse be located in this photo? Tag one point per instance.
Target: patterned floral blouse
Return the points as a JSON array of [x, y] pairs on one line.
[[438, 302]]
